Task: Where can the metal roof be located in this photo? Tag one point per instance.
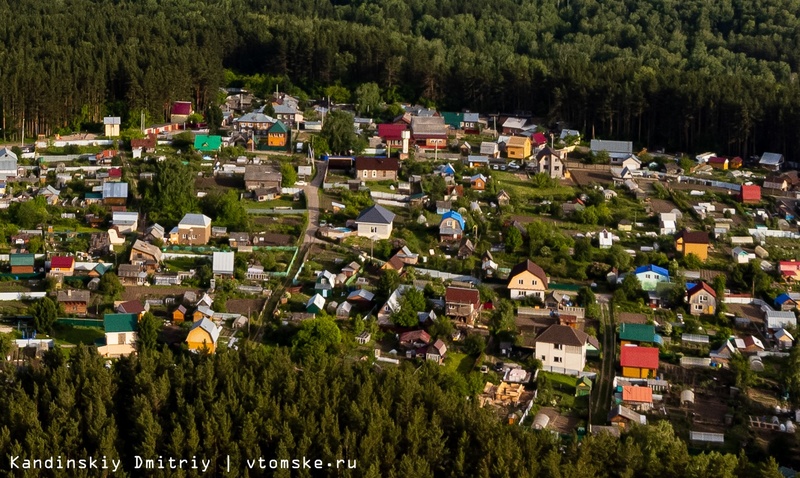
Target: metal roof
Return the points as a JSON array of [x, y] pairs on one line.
[[195, 220], [376, 214], [598, 145], [223, 263], [115, 190], [207, 325], [114, 323], [112, 120]]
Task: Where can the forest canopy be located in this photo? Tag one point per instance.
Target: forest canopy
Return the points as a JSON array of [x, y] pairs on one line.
[[681, 74]]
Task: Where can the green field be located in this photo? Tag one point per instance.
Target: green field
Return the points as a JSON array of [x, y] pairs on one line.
[[66, 334]]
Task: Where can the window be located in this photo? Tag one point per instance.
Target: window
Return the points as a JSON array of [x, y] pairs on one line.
[[121, 339], [698, 307], [558, 346], [534, 282], [544, 357], [373, 229], [383, 173], [374, 174], [365, 174], [558, 359], [521, 282]]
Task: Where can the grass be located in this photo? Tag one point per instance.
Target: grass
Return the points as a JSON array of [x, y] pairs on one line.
[[271, 204], [80, 229], [65, 334], [522, 190], [181, 264], [458, 362]]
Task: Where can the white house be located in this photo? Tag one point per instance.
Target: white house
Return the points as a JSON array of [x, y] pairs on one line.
[[606, 239], [741, 256], [771, 161], [631, 162], [8, 164], [375, 221], [562, 349], [222, 264], [125, 222], [668, 223], [120, 331], [112, 125]]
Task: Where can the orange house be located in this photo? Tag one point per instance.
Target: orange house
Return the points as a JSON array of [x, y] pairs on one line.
[[179, 315], [277, 135], [692, 242], [518, 147]]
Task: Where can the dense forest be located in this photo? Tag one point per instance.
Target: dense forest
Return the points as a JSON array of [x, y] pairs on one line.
[[393, 422], [687, 75]]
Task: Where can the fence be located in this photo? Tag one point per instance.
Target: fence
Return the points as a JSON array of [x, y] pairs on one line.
[[383, 195], [773, 233], [276, 211], [387, 202], [730, 299], [699, 339], [7, 296], [447, 276], [695, 362], [94, 323]]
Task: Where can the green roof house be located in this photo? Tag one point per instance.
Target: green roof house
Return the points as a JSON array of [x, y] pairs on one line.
[[637, 333], [120, 335], [453, 120], [21, 263], [207, 143]]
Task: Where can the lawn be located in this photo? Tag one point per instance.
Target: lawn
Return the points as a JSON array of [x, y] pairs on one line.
[[522, 190], [180, 264], [66, 334], [458, 362], [273, 204]]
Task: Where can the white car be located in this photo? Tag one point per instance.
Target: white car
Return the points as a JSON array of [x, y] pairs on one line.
[[301, 183]]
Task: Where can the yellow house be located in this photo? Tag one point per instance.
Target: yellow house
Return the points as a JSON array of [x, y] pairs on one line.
[[203, 336], [527, 280], [276, 136], [638, 362], [518, 147], [692, 242]]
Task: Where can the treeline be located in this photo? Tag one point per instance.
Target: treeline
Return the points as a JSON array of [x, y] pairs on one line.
[[686, 75], [257, 402]]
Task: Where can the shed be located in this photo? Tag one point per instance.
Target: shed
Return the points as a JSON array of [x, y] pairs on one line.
[[540, 421], [583, 387], [687, 397]]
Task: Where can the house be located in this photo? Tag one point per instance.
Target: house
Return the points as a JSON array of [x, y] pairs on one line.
[[538, 140], [476, 161], [181, 110], [462, 304], [784, 339], [351, 269], [503, 198], [134, 307], [193, 230], [203, 336], [626, 225], [111, 126], [771, 161], [75, 302], [392, 135], [636, 334], [718, 162], [741, 256], [785, 181], [629, 162], [179, 314], [749, 344], [702, 299], [750, 194], [615, 149], [155, 232], [375, 222], [667, 223], [466, 248], [606, 239], [363, 338], [278, 135], [442, 207], [451, 227], [62, 266], [551, 162], [50, 194], [489, 149], [780, 319], [471, 123], [639, 362], [256, 123], [315, 304], [22, 263], [414, 339], [527, 279], [514, 125], [478, 182], [222, 264], [790, 270], [692, 242], [207, 143], [561, 349], [115, 193], [239, 239], [583, 387], [120, 335], [376, 169], [361, 298], [131, 274], [288, 113], [125, 222], [258, 176], [785, 302], [429, 132], [203, 311], [325, 283], [8, 164], [145, 254], [518, 147], [650, 275], [436, 352], [623, 417], [637, 398]]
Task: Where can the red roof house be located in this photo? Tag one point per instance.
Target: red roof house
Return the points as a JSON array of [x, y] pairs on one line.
[[391, 132], [115, 173], [639, 362], [62, 265], [462, 303], [751, 194], [539, 139]]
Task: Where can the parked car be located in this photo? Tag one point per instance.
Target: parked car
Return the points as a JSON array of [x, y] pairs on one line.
[[300, 183]]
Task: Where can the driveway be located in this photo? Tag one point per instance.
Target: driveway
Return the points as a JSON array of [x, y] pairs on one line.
[[311, 192]]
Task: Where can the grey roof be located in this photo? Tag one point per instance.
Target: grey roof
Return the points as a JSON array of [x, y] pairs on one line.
[[253, 172], [147, 248], [115, 190], [112, 120], [471, 117], [223, 263], [254, 118], [612, 146], [284, 109], [7, 154], [376, 214], [121, 217], [516, 123], [474, 158], [207, 325], [773, 159], [428, 125], [195, 220], [489, 147], [73, 295]]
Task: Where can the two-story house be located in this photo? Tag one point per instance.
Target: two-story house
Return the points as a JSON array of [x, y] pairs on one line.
[[650, 275], [255, 123], [551, 162], [63, 266], [120, 332], [392, 135], [376, 169], [639, 362], [278, 135], [451, 227], [375, 222], [115, 193], [203, 336], [702, 299], [74, 301], [146, 255], [562, 349], [462, 304], [527, 279], [193, 230], [518, 147], [429, 132]]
